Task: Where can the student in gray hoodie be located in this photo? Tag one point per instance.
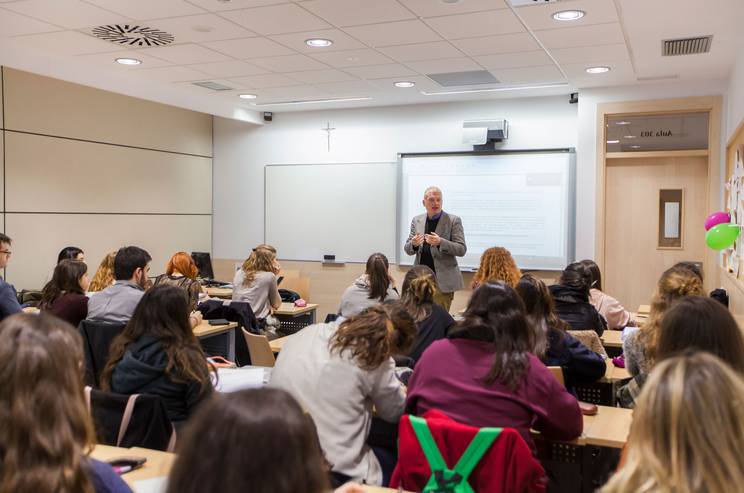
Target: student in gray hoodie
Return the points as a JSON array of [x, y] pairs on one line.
[[371, 288]]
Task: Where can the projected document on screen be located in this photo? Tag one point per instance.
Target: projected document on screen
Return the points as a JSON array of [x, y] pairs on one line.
[[521, 201]]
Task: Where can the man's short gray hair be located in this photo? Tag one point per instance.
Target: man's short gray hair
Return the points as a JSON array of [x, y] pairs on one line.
[[435, 190]]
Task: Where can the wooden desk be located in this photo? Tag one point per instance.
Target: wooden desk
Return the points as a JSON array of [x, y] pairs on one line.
[[644, 310], [609, 428], [158, 463], [611, 338], [204, 330], [277, 344], [294, 318], [224, 293], [615, 373]]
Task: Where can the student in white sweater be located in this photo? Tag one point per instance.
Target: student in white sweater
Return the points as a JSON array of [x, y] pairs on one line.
[[339, 373], [372, 287]]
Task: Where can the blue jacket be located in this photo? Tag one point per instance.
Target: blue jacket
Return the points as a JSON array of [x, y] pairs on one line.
[[8, 300], [580, 364]]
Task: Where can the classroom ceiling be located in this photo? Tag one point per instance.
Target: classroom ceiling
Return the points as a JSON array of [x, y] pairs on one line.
[[258, 47]]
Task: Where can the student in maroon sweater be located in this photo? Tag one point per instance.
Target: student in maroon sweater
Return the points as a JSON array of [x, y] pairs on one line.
[[484, 375], [64, 296]]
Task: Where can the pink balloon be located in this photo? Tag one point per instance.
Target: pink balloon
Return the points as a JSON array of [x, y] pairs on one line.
[[717, 218]]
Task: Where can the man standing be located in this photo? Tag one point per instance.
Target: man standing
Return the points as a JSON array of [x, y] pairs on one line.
[[8, 298], [437, 238]]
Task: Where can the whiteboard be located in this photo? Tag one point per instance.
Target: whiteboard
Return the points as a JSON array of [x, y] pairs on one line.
[[523, 201], [342, 209]]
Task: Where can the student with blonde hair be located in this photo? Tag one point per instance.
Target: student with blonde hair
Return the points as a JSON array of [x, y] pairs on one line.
[[256, 282], [104, 276], [687, 430], [497, 264]]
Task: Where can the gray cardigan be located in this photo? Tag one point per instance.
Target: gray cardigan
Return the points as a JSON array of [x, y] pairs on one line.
[[356, 297]]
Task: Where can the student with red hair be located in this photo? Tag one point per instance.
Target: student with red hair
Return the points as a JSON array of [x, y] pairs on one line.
[[181, 271]]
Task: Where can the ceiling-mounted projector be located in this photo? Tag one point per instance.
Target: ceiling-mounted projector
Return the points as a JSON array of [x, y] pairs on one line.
[[481, 132]]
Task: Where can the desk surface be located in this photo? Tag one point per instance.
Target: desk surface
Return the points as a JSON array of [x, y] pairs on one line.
[[219, 292], [615, 373], [277, 344], [291, 309], [158, 463], [206, 330], [611, 338], [609, 428]]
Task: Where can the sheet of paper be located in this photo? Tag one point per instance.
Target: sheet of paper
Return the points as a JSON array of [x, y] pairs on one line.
[[671, 219], [154, 485], [233, 379]]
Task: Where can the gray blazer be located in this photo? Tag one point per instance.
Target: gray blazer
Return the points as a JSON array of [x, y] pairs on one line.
[[453, 245]]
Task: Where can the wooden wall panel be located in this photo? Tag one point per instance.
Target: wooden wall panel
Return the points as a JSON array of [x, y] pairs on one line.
[[38, 104], [51, 174], [38, 238]]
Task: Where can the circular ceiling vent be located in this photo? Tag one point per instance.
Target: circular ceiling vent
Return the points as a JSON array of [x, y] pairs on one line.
[[125, 34]]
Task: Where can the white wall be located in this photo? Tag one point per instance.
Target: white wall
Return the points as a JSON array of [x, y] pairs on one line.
[[735, 113], [362, 135]]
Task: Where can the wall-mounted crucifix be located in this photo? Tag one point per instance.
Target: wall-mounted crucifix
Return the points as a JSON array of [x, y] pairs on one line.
[[328, 129]]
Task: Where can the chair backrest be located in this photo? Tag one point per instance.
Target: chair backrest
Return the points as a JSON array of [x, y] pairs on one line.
[[97, 338], [259, 349], [590, 339], [557, 372]]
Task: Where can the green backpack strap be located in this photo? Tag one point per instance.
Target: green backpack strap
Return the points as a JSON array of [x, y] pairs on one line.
[[442, 478]]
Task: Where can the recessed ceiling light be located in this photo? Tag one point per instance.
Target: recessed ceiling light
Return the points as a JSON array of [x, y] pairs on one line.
[[128, 61], [569, 15], [404, 83], [613, 141], [247, 96], [318, 42], [597, 70]]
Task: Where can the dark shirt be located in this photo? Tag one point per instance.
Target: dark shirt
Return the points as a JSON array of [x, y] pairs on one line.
[[432, 328], [580, 364], [71, 307], [8, 300], [190, 286], [431, 226], [573, 307]]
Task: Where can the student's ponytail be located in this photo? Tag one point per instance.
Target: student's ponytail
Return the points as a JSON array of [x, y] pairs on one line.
[[379, 278]]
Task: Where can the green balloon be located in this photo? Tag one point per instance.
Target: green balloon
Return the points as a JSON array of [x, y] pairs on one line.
[[722, 236]]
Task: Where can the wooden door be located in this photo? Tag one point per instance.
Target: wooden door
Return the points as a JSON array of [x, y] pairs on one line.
[[633, 260]]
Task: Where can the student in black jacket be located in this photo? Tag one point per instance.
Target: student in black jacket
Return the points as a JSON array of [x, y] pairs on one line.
[[553, 345], [158, 354], [571, 296]]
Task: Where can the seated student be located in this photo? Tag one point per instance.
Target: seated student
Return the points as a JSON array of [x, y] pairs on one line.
[[339, 373], [497, 264], [571, 296], [432, 321], [257, 440], [687, 430], [483, 374], [181, 271], [8, 297], [104, 276], [255, 283], [615, 314], [71, 253], [372, 287], [45, 428], [553, 345], [158, 354], [64, 296], [116, 303]]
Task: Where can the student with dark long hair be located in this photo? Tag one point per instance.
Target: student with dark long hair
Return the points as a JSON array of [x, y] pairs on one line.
[[553, 345], [64, 296], [571, 296], [432, 321], [46, 432], [71, 253], [157, 353], [372, 287], [339, 373], [484, 374], [257, 440], [615, 314]]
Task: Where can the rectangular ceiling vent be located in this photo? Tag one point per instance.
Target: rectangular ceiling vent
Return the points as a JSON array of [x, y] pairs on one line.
[[208, 84], [523, 3], [472, 78], [686, 46]]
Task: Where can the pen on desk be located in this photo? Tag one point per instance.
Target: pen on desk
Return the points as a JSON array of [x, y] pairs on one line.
[[122, 469]]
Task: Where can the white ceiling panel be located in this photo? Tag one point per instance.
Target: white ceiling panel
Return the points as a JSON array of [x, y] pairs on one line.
[[108, 60], [198, 28], [429, 8], [229, 69], [264, 81], [394, 33], [515, 60], [187, 54], [421, 51], [597, 34], [529, 75], [12, 24], [72, 14], [291, 63], [352, 58], [276, 19], [148, 9], [293, 93], [588, 54], [249, 48], [349, 89], [320, 76], [341, 41], [461, 64], [381, 71], [217, 6], [356, 12], [541, 16], [494, 45], [476, 24], [67, 43], [171, 74]]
